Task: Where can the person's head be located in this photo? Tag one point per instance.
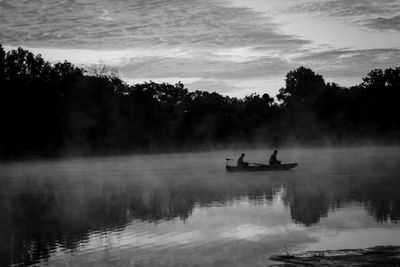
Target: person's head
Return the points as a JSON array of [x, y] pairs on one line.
[[242, 155], [275, 152]]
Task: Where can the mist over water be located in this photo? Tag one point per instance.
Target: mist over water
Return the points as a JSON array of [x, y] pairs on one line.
[[184, 208]]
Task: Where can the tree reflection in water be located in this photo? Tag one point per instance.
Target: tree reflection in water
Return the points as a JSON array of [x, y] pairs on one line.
[[38, 219]]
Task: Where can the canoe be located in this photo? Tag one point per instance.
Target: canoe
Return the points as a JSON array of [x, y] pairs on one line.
[[262, 168]]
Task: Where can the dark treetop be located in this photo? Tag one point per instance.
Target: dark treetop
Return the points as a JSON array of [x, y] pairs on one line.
[[57, 109]]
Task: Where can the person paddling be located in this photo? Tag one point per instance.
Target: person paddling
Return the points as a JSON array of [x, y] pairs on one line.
[[241, 162], [273, 160]]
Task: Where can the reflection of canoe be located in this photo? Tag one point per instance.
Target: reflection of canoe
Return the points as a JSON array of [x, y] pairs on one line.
[[282, 167]]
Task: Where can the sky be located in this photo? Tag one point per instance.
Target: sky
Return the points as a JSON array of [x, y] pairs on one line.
[[233, 47]]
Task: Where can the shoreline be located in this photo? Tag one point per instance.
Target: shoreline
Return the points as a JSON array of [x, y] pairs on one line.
[[373, 256]]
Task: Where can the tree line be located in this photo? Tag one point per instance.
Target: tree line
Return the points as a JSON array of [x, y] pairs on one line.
[[54, 109]]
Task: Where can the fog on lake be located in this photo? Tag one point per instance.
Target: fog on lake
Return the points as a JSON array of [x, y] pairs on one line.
[[185, 209]]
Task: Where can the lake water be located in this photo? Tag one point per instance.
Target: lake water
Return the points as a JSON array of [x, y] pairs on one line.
[[186, 210]]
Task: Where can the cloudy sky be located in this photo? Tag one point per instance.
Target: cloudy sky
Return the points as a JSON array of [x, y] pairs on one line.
[[234, 47]]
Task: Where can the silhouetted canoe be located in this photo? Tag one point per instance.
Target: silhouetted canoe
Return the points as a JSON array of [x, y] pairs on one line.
[[261, 168]]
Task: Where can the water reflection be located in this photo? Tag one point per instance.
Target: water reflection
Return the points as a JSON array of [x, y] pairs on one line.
[[77, 208]]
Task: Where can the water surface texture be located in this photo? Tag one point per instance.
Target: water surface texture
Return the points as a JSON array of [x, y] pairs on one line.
[[186, 210]]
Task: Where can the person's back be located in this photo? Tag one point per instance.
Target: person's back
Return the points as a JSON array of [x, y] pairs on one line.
[[240, 161], [273, 160]]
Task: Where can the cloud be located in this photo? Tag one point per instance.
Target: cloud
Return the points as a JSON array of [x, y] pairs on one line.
[[105, 16], [382, 24], [123, 23], [364, 15], [232, 46], [381, 15], [347, 8]]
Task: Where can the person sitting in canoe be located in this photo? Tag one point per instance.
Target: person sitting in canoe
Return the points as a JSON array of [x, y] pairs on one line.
[[273, 160], [240, 162]]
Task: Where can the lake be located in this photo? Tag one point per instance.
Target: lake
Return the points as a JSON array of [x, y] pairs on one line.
[[184, 209]]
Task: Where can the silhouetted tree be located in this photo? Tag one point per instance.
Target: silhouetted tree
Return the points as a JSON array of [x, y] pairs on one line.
[[381, 92], [50, 109], [302, 89], [2, 63]]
